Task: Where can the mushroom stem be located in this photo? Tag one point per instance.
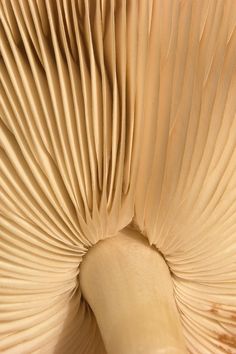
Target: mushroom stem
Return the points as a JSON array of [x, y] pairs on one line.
[[128, 286]]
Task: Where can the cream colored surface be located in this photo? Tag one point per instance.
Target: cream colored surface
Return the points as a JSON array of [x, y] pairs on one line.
[[116, 112], [128, 286]]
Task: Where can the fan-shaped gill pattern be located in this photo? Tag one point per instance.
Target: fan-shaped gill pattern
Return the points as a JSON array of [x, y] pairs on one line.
[[116, 111], [186, 200]]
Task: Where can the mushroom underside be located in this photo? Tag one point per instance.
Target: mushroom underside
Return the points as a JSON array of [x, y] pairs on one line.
[[118, 177]]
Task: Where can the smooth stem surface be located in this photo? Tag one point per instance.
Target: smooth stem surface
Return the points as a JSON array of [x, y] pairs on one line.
[[128, 286]]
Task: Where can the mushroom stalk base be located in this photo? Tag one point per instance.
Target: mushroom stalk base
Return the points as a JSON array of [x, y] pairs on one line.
[[128, 286]]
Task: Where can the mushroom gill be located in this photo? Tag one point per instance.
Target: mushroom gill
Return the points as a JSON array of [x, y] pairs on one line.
[[118, 176]]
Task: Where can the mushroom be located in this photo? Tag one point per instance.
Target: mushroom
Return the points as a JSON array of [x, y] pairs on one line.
[[118, 176]]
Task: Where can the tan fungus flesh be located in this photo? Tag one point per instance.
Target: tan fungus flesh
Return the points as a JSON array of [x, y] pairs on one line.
[[116, 114]]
